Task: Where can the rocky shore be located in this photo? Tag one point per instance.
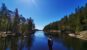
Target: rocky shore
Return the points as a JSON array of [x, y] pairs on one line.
[[3, 34], [81, 35]]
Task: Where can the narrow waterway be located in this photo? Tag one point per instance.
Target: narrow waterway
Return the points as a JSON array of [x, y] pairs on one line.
[[40, 41]]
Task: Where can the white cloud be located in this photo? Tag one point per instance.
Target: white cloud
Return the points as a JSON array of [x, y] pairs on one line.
[[28, 2]]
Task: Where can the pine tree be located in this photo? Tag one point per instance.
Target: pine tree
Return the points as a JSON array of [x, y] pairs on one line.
[[16, 22]]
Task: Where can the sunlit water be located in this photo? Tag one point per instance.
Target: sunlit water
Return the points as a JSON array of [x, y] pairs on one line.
[[39, 41]]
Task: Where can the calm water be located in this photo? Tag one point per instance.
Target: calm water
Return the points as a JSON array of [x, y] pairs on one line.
[[39, 41]]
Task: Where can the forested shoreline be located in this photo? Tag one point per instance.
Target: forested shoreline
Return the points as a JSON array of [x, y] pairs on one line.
[[75, 22], [13, 22]]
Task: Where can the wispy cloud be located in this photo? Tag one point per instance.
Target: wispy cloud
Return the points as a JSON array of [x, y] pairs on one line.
[[28, 2]]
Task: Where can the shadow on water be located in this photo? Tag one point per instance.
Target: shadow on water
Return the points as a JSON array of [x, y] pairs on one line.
[[16, 43], [71, 43], [43, 41], [74, 43]]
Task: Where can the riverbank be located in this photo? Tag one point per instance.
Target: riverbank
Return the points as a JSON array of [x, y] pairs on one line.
[[81, 35], [9, 33], [5, 34], [52, 31]]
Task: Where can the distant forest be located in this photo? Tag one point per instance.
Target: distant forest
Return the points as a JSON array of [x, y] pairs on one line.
[[14, 22], [76, 21]]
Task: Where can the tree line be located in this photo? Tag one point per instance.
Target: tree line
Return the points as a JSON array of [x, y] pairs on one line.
[[76, 21], [14, 22]]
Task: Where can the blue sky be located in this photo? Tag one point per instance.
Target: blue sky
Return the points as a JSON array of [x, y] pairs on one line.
[[44, 11]]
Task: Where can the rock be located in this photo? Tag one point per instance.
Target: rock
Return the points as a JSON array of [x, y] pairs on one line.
[[72, 35], [3, 34], [82, 35]]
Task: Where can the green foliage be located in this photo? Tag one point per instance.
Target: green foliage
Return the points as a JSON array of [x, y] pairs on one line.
[[15, 23], [75, 21]]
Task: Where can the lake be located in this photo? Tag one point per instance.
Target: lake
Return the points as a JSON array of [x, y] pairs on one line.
[[40, 41]]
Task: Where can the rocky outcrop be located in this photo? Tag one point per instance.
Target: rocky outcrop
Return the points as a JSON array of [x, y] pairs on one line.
[[3, 34], [82, 35]]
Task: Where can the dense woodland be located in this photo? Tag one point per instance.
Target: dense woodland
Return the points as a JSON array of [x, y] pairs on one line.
[[76, 21], [12, 21]]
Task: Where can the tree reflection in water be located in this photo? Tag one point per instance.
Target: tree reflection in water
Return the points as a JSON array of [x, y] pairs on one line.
[[16, 43], [74, 43], [71, 43], [2, 44], [61, 42], [27, 42]]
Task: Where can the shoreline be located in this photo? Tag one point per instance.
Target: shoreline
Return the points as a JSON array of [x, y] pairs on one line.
[[81, 35]]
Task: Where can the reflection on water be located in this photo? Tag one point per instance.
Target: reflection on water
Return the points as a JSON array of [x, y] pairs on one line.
[[50, 42], [75, 44], [40, 41], [72, 43], [16, 43]]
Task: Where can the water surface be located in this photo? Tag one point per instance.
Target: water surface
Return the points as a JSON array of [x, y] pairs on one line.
[[39, 41]]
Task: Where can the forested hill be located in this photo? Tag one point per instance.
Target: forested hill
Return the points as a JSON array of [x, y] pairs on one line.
[[76, 21], [12, 21]]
